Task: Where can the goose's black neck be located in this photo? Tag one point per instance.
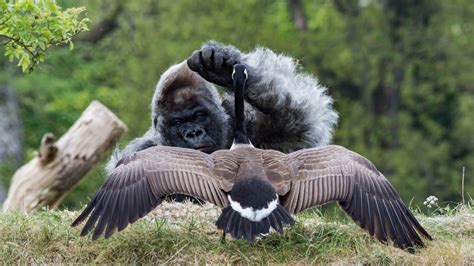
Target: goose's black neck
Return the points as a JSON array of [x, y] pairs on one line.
[[240, 80]]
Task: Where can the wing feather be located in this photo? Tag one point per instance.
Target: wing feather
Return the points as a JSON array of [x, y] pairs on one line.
[[94, 216], [124, 210], [104, 217], [379, 223], [334, 173], [369, 214], [114, 217], [141, 182]]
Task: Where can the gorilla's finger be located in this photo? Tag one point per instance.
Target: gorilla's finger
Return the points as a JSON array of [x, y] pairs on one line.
[[218, 59], [194, 61], [232, 60], [207, 57], [203, 74]]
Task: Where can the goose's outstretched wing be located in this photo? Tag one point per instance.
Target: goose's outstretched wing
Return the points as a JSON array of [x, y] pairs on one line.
[[141, 181], [334, 173]]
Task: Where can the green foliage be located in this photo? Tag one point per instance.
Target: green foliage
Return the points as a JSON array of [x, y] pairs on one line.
[[6, 171], [402, 83], [28, 28]]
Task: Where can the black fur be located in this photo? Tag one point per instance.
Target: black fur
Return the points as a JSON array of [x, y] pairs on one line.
[[197, 125], [215, 63]]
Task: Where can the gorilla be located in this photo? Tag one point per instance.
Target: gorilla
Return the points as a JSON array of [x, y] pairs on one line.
[[285, 109]]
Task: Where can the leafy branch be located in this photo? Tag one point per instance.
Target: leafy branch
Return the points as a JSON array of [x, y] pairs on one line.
[[28, 28]]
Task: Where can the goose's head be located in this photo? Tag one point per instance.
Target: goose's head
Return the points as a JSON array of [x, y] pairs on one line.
[[239, 76]]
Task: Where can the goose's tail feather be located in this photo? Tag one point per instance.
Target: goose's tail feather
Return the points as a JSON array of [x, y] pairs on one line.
[[240, 227]]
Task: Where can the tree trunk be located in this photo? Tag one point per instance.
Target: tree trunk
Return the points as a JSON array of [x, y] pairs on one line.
[[3, 193], [48, 177], [11, 152], [298, 15]]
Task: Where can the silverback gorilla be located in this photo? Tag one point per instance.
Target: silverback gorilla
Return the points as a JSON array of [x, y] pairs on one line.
[[285, 110]]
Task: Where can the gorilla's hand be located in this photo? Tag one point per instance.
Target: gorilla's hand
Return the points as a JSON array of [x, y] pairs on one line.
[[214, 62]]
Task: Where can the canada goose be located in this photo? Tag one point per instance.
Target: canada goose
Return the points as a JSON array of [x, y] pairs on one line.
[[256, 188]]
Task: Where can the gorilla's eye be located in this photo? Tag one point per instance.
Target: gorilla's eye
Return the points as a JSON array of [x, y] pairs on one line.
[[199, 115], [176, 122]]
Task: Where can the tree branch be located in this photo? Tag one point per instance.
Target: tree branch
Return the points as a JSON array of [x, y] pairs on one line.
[[105, 27], [297, 14], [347, 7], [18, 42]]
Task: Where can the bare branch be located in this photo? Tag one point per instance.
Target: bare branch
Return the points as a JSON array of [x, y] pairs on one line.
[[105, 27], [298, 15]]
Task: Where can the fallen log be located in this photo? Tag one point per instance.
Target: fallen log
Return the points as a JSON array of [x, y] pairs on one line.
[[58, 167]]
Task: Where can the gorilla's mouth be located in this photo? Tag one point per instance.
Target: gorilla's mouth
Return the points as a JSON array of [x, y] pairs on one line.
[[204, 147]]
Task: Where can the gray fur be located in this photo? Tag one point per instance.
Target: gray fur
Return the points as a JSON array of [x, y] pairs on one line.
[[280, 79], [286, 110]]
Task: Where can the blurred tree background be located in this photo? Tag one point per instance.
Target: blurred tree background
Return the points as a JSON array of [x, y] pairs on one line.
[[400, 71]]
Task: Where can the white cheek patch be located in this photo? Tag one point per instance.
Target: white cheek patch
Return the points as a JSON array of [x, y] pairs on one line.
[[241, 145], [252, 214]]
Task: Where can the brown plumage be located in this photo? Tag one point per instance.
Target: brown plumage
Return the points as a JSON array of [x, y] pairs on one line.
[[302, 179]]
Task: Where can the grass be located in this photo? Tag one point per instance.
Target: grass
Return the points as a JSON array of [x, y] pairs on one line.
[[46, 237]]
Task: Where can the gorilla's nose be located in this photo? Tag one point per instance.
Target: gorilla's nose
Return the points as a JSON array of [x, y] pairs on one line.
[[194, 134]]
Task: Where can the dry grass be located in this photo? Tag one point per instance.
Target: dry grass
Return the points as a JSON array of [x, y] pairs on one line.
[[185, 233]]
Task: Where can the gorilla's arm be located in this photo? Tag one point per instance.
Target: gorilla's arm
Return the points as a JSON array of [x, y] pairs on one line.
[[149, 139], [289, 110], [293, 111]]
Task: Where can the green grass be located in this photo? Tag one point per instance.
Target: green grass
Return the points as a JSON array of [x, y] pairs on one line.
[[46, 237]]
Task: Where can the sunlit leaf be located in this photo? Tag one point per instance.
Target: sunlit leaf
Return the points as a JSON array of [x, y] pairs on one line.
[[33, 26]]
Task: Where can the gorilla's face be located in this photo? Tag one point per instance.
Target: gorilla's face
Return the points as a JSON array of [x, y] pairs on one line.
[[195, 123]]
